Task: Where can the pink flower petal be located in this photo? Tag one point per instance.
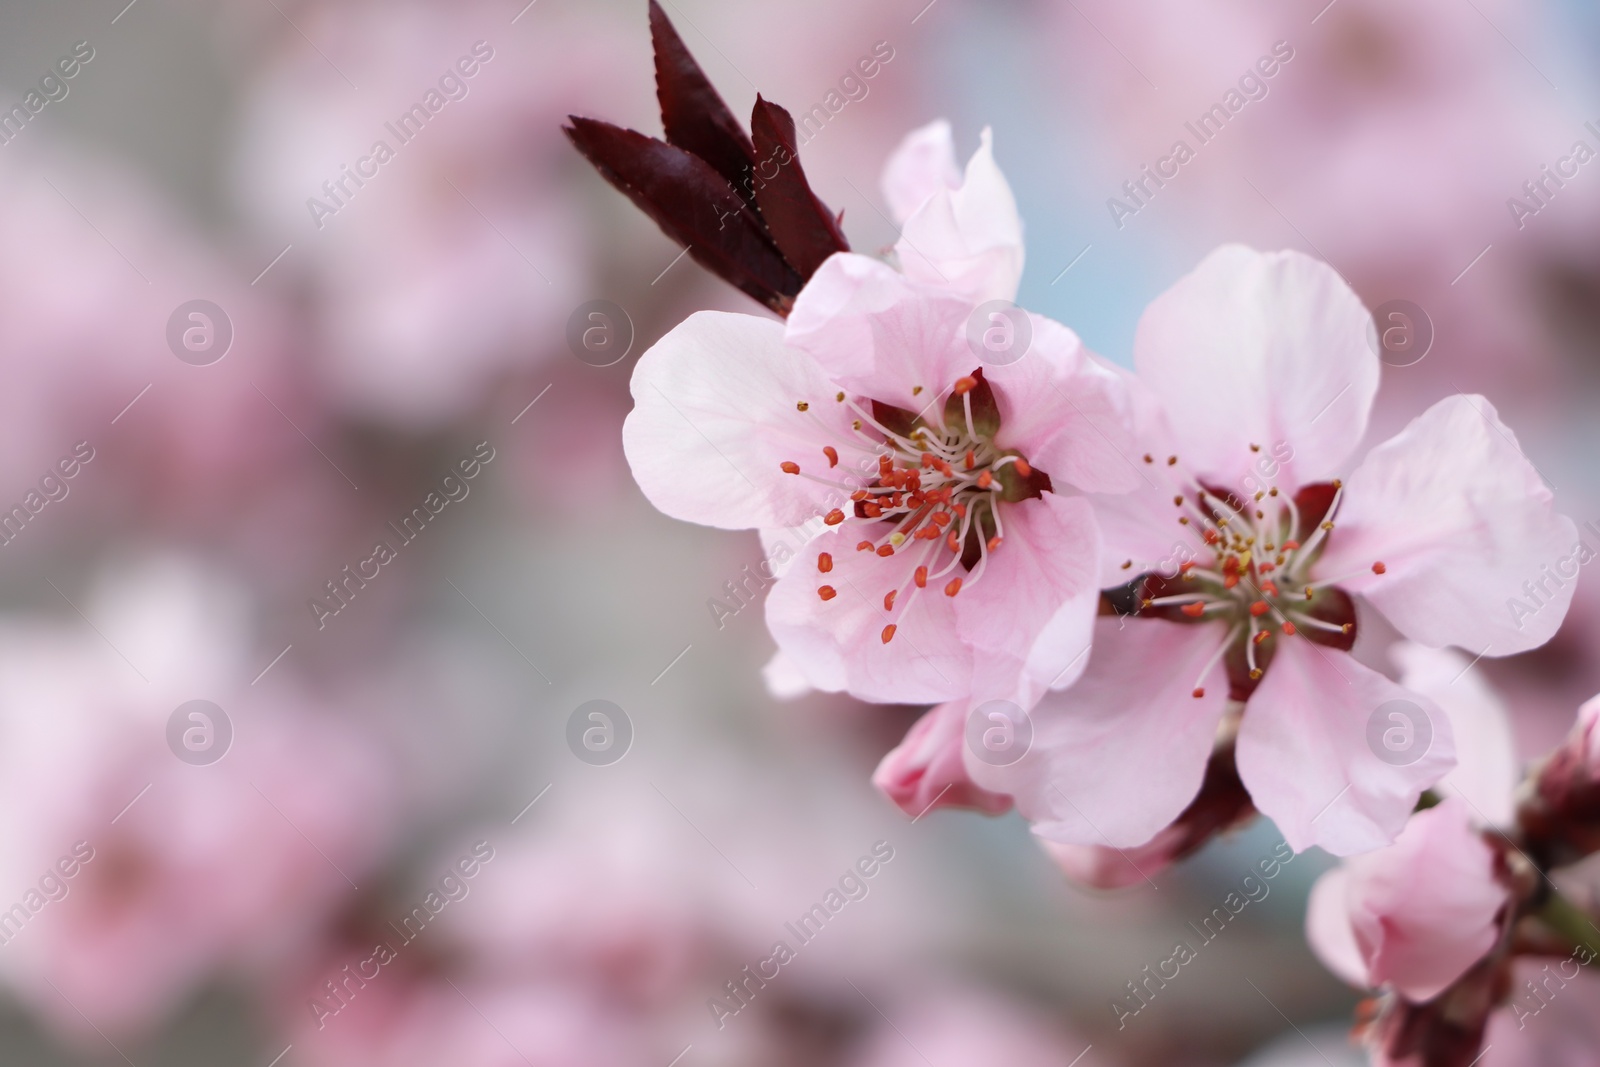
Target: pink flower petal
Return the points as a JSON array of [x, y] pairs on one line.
[[1466, 530], [1100, 867], [1329, 932], [1487, 770], [1116, 758], [926, 769], [1304, 754], [881, 335], [1425, 909], [924, 164], [715, 414], [1260, 348], [838, 643], [967, 239], [1038, 595], [1068, 411]]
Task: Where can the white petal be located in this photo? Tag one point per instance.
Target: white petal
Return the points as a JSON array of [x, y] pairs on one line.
[[715, 414], [968, 239], [924, 164]]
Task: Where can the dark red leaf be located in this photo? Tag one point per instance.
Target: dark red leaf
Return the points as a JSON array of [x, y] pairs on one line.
[[693, 205], [693, 114], [802, 226]]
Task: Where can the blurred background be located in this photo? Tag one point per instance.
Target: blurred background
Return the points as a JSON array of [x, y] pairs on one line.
[[318, 544]]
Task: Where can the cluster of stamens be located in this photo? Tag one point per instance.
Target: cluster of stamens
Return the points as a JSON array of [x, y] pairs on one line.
[[1251, 569], [929, 497]]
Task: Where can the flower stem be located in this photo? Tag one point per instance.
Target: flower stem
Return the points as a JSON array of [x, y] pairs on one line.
[[1571, 921]]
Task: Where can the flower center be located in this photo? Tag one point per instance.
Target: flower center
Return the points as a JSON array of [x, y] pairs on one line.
[[1246, 560], [930, 495]]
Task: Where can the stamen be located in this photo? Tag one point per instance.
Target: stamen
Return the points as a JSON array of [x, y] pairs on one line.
[[1199, 690], [827, 592], [789, 467], [953, 587], [834, 517], [888, 633], [832, 454], [825, 562]]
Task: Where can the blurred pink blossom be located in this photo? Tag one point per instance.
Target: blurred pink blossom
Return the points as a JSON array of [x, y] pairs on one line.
[[971, 1027], [196, 869], [452, 259]]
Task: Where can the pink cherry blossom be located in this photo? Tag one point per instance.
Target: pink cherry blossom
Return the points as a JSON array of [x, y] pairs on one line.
[[947, 559], [1415, 915], [191, 869], [1255, 563]]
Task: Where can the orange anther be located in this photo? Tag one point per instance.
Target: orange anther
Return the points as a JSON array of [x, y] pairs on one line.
[[888, 633], [965, 385], [834, 517], [832, 454], [1378, 568], [1195, 610], [827, 592], [921, 578], [1023, 468], [886, 549], [825, 562], [789, 467], [1260, 608], [888, 600]]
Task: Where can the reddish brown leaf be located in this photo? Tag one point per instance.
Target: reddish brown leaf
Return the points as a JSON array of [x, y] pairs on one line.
[[693, 205], [693, 114], [801, 225]]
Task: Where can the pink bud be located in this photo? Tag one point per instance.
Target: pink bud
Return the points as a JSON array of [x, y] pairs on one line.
[[927, 770], [1415, 915]]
